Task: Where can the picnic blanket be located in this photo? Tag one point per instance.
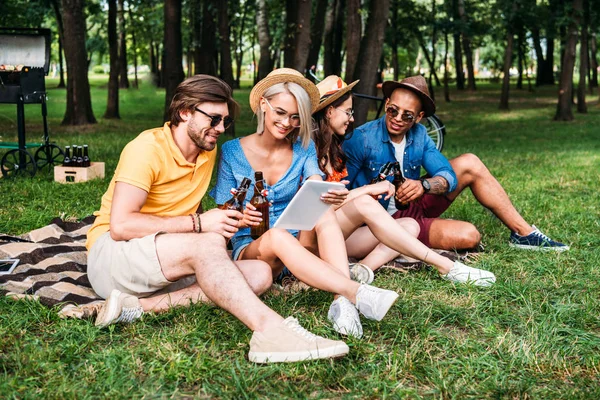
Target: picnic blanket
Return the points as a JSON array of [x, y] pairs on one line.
[[52, 268]]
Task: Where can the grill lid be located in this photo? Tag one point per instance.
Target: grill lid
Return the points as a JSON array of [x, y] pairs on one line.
[[22, 46]]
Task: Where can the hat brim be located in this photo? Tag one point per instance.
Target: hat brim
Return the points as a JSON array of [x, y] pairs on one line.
[[326, 101], [261, 87], [427, 102]]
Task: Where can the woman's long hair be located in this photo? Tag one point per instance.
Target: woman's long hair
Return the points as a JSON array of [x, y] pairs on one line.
[[327, 142]]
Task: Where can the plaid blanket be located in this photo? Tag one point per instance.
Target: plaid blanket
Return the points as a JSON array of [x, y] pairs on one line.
[[52, 268]]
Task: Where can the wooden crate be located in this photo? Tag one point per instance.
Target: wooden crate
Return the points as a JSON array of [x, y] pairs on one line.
[[79, 174]]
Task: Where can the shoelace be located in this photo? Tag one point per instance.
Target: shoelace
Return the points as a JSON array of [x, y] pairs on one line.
[[541, 235], [129, 314], [347, 306], [293, 324]]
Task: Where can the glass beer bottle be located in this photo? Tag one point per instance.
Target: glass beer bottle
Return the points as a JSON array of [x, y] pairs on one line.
[[86, 156], [260, 201], [383, 173], [238, 196], [67, 159], [398, 181]]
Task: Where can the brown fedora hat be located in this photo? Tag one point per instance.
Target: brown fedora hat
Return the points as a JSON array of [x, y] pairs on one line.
[[415, 84], [331, 89], [282, 75]]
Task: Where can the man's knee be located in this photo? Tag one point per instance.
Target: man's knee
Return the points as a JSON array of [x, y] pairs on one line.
[[470, 237], [468, 164], [210, 242]]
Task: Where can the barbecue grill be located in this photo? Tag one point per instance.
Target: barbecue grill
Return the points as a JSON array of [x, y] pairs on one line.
[[24, 64]]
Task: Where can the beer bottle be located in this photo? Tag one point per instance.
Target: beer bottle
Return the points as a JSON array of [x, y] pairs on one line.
[[86, 157], [67, 159], [79, 156], [260, 201], [238, 196], [398, 181], [383, 173]]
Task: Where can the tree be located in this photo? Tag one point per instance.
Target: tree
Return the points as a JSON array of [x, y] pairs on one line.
[[123, 80], [458, 61], [297, 41], [565, 90], [79, 102], [238, 26], [369, 54], [332, 46], [316, 33], [206, 58], [583, 59], [173, 57], [112, 105], [225, 44], [265, 63], [466, 44], [545, 64], [353, 35]]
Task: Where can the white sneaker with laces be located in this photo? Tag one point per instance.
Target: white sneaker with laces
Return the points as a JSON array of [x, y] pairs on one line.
[[361, 273], [463, 274], [374, 302], [119, 307], [345, 318]]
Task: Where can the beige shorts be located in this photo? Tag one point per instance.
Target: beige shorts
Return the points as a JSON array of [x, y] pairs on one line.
[[130, 266]]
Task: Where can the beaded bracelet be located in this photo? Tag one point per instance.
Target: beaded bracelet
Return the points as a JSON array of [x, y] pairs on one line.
[[199, 223], [193, 223]]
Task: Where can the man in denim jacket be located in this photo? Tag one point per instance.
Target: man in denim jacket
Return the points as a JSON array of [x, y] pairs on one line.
[[399, 136]]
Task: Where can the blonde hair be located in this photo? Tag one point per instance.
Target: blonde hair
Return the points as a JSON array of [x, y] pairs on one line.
[[304, 111]]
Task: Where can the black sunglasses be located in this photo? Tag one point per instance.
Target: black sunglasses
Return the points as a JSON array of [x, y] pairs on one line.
[[216, 119], [393, 113]]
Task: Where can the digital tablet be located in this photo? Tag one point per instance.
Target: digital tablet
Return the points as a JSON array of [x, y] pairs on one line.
[[7, 266], [306, 207]]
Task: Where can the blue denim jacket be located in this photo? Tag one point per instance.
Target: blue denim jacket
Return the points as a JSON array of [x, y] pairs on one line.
[[370, 147]]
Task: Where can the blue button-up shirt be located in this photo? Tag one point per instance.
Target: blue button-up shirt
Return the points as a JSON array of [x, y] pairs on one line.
[[370, 147]]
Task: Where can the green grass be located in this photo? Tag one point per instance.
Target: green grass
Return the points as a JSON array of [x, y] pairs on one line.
[[535, 334]]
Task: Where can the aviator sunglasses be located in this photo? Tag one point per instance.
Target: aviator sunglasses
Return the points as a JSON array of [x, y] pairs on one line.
[[216, 119], [405, 117]]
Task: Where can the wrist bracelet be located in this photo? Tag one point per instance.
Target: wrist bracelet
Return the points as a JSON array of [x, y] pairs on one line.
[[199, 223], [193, 223]]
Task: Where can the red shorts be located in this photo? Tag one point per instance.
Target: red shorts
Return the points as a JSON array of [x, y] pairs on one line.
[[425, 210]]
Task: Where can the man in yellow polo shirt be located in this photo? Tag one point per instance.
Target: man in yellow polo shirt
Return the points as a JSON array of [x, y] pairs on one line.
[[151, 248]]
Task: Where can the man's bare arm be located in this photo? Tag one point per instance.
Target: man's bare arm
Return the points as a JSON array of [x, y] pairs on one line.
[[439, 185]]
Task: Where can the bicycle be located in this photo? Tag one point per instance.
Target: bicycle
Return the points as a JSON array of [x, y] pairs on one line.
[[434, 125]]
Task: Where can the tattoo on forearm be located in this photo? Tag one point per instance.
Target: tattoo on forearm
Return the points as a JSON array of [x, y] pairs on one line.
[[439, 185]]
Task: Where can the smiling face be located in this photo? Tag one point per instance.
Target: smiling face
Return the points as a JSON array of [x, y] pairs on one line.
[[199, 130], [339, 117], [281, 114], [405, 103]]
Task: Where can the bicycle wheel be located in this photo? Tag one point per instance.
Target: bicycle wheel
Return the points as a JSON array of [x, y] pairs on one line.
[[49, 155], [18, 162], [435, 129]]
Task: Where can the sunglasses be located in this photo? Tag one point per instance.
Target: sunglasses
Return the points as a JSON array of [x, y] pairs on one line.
[[215, 120], [405, 117]]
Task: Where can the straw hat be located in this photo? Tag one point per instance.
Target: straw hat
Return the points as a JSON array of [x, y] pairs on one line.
[[282, 75], [415, 84], [331, 89]]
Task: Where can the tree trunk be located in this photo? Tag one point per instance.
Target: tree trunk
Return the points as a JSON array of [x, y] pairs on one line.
[[429, 60], [446, 72], [61, 35], [466, 42], [79, 101], [371, 47], [226, 67], [338, 37], [539, 55], [207, 63], [289, 41], [316, 34], [196, 33], [353, 35], [593, 60], [583, 60], [332, 61], [239, 54], [565, 90], [134, 43], [302, 35], [112, 105], [173, 68], [460, 74], [520, 60], [123, 80], [507, 64], [265, 64]]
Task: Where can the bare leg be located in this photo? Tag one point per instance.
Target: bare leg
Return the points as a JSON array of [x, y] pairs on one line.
[[450, 234], [218, 277], [472, 172], [365, 210], [257, 274], [277, 247]]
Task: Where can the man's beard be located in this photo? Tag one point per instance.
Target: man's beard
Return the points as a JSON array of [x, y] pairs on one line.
[[199, 140]]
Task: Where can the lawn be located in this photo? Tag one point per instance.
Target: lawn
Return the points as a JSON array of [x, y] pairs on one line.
[[535, 334]]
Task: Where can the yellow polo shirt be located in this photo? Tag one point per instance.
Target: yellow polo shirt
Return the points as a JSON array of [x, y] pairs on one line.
[[152, 162]]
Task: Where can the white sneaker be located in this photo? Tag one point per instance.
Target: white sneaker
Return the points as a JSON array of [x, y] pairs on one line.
[[289, 342], [374, 302], [464, 274], [361, 273], [345, 318], [119, 307]]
